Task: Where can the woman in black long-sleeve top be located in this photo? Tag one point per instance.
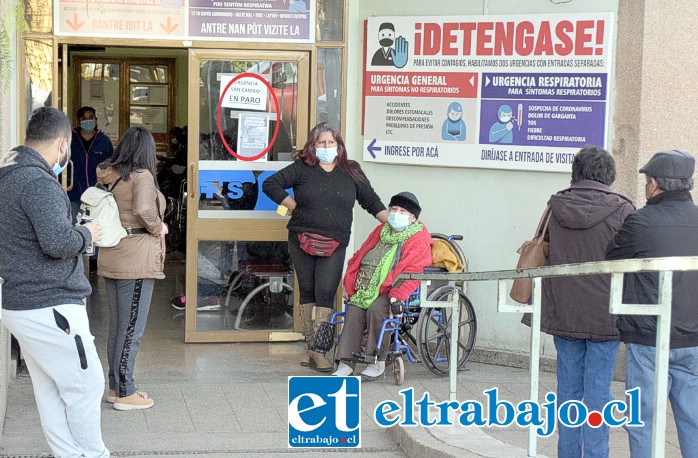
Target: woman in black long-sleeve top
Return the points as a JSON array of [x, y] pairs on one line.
[[326, 184]]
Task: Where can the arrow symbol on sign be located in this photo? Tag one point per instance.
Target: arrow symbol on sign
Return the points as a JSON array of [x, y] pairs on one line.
[[487, 81], [472, 80], [169, 28], [372, 147], [75, 24]]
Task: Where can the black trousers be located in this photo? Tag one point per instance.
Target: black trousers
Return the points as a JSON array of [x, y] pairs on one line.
[[318, 276]]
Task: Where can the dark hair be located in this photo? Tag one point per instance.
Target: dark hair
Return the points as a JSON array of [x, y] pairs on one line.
[[594, 163], [673, 184], [179, 133], [46, 124], [308, 156], [136, 151], [82, 110]]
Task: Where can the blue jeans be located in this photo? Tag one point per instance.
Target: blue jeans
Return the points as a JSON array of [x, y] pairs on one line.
[[683, 395], [584, 372]]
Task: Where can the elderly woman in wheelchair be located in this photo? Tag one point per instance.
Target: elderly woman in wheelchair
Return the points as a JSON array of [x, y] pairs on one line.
[[402, 244]]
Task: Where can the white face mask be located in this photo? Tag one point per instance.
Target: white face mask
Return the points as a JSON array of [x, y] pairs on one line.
[[398, 221], [326, 154], [57, 167]]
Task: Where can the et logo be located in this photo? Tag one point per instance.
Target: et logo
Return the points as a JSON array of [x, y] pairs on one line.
[[324, 412]]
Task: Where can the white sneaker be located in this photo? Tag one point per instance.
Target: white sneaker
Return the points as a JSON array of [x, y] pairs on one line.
[[344, 370], [373, 371]]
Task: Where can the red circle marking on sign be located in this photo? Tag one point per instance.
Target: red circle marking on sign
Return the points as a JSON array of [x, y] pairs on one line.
[[278, 116], [594, 419], [343, 440]]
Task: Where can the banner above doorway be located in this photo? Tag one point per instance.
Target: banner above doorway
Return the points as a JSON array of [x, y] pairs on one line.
[[290, 21]]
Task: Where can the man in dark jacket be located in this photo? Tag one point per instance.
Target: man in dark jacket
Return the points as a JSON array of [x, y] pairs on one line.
[[45, 287], [667, 226], [585, 217], [89, 147]]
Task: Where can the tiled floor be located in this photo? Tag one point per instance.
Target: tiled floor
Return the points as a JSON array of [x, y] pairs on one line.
[[221, 400]]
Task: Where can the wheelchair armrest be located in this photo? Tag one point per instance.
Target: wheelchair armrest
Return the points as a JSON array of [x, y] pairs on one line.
[[334, 319], [434, 270]]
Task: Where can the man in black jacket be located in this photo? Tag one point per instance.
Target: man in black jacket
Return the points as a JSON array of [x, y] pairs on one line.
[[667, 226]]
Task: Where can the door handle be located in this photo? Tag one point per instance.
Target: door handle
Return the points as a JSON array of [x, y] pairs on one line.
[[190, 185]]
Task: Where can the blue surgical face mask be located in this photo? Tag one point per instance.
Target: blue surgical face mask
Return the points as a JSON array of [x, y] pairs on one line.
[[326, 154], [57, 167], [398, 221], [88, 125]]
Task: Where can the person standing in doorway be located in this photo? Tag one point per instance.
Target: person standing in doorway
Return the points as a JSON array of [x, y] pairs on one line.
[[666, 226], [45, 287], [584, 218], [326, 184], [90, 146], [131, 267]]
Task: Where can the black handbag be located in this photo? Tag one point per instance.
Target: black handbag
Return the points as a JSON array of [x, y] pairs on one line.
[[324, 338]]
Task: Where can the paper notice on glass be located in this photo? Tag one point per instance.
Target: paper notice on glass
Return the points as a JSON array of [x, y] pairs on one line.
[[96, 91], [246, 93], [253, 134]]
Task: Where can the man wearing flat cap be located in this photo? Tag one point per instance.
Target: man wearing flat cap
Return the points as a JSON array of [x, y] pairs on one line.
[[666, 226]]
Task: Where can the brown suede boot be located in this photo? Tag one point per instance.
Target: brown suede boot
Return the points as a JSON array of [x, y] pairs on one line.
[[318, 361], [306, 314]]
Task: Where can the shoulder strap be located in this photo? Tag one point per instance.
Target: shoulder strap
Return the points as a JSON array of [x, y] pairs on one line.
[[544, 221], [114, 184], [157, 198]]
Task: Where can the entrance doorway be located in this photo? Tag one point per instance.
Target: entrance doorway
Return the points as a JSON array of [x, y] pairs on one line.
[[240, 281]]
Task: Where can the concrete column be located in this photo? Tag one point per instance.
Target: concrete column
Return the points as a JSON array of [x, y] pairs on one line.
[[655, 99], [7, 136]]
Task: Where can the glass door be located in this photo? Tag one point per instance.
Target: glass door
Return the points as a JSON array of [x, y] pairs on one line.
[[127, 92], [250, 111]]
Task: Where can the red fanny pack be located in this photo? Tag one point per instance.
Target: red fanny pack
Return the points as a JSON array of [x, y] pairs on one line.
[[316, 244]]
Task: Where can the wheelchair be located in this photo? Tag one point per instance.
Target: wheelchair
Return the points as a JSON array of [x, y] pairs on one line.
[[424, 335]]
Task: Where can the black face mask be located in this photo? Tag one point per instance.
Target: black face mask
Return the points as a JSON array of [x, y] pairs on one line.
[[386, 42]]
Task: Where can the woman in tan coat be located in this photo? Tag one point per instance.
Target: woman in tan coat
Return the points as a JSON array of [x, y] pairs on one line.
[[131, 268]]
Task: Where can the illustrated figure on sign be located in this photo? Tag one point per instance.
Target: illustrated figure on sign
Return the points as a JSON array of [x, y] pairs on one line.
[[453, 128], [387, 55], [297, 6], [501, 132]]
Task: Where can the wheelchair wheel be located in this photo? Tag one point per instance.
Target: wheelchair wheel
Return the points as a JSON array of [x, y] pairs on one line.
[[434, 332], [399, 370]]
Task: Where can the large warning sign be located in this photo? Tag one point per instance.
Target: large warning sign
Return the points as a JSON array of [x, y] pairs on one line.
[[511, 92]]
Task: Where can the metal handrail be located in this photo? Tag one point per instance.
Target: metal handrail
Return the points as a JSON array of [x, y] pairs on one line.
[[665, 267]]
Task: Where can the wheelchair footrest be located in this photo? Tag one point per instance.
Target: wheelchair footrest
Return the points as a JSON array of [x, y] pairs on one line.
[[364, 358]]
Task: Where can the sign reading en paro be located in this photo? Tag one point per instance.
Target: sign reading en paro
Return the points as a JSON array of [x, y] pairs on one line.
[[246, 93]]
